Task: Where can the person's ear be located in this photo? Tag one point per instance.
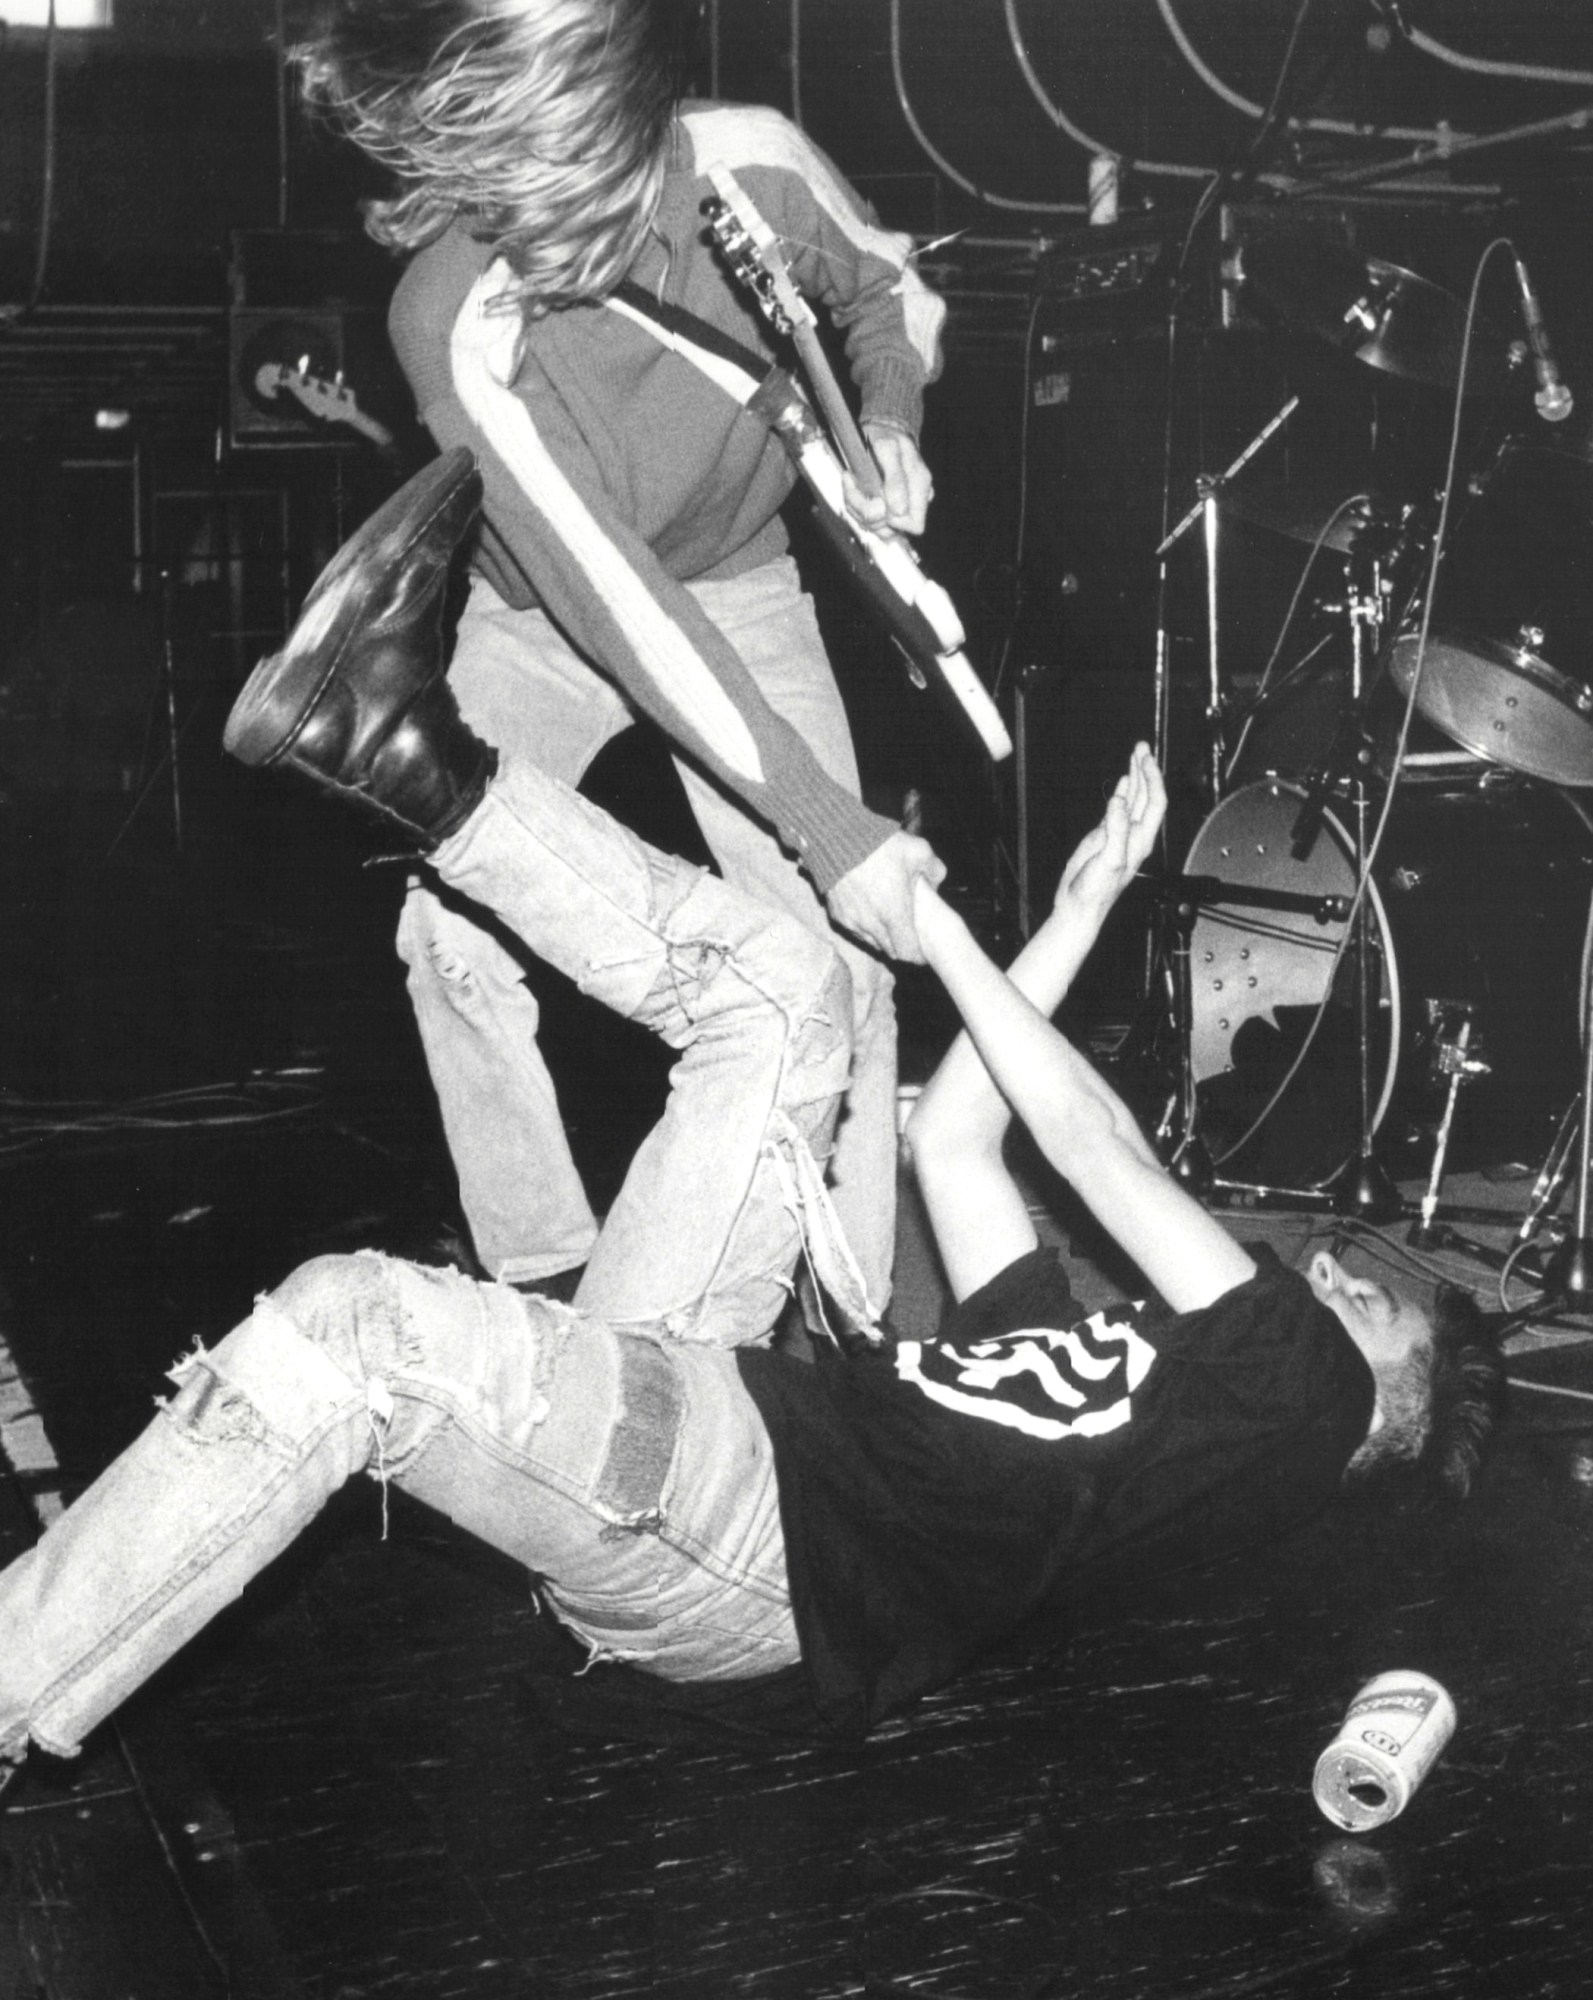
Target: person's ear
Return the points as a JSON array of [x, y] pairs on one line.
[[1324, 1270]]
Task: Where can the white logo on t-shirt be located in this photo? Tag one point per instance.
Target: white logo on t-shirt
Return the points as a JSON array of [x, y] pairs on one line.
[[1024, 1378]]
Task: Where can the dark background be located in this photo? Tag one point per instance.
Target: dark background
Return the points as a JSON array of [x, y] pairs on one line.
[[192, 206]]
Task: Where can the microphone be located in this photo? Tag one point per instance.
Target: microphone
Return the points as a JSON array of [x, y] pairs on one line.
[[1554, 401]]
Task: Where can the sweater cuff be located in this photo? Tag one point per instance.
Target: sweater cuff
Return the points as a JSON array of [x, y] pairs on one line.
[[894, 395], [831, 846]]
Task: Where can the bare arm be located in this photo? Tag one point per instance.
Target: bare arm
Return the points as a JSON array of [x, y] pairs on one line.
[[1012, 1059]]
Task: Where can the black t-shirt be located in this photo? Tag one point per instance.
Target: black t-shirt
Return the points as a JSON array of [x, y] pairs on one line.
[[937, 1495]]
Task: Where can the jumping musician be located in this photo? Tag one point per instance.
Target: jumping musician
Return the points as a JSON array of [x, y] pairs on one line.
[[550, 188]]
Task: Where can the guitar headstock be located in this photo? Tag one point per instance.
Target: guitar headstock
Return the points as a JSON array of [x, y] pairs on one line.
[[741, 254], [332, 402], [328, 400], [753, 253]]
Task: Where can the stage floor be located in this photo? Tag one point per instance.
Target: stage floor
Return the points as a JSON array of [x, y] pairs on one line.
[[347, 1789]]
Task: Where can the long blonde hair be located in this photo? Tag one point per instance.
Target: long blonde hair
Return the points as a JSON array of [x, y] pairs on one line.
[[541, 125]]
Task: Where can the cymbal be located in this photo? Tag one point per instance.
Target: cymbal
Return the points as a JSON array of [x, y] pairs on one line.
[[1380, 313], [1308, 514]]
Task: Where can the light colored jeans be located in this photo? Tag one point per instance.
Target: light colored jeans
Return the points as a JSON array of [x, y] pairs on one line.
[[609, 1446], [522, 687]]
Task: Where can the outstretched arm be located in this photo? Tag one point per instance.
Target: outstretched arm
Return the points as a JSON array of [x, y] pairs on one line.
[[1012, 1059]]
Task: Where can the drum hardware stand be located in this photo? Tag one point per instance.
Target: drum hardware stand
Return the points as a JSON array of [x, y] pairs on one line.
[[1455, 1061], [166, 697], [1208, 487], [1566, 1273], [1028, 678], [1362, 1185]]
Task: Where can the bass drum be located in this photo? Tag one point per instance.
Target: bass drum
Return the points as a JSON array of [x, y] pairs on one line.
[[1479, 901]]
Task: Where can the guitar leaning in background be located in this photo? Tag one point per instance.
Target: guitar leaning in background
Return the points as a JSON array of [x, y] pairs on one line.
[[328, 401]]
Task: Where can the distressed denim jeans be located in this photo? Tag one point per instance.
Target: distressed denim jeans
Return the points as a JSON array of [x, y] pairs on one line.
[[522, 687], [609, 1445], [632, 1476]]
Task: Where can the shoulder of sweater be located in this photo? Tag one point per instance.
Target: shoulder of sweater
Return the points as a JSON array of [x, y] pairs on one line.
[[744, 135], [436, 280]]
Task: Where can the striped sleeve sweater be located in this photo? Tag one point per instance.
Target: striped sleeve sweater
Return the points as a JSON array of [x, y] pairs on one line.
[[616, 472]]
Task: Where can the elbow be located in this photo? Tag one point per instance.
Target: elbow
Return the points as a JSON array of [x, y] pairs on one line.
[[1090, 1128]]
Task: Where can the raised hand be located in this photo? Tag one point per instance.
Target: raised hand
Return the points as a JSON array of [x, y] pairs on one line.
[[1108, 858]]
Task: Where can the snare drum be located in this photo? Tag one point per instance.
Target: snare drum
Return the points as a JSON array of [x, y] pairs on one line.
[[1478, 904], [1509, 667]]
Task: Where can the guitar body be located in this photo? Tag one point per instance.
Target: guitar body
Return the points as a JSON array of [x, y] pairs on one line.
[[945, 671]]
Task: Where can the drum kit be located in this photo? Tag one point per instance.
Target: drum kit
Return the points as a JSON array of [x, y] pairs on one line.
[[1379, 941]]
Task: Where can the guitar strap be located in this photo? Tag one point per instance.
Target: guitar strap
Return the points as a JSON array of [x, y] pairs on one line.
[[684, 325], [766, 390], [774, 396]]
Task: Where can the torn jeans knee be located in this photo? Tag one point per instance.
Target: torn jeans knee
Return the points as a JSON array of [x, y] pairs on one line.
[[320, 1351], [274, 1381]]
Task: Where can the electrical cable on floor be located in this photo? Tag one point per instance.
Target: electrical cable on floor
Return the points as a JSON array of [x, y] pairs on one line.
[[1378, 1243], [264, 1097]]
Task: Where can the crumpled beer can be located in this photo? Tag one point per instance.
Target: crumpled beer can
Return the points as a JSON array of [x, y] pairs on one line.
[[1390, 1738]]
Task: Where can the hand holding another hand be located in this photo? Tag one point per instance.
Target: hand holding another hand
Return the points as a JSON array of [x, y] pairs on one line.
[[874, 900]]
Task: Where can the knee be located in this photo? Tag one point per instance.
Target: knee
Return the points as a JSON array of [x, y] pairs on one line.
[[342, 1304], [297, 1357]]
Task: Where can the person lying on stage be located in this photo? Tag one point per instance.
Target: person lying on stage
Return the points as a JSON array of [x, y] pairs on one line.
[[712, 1516]]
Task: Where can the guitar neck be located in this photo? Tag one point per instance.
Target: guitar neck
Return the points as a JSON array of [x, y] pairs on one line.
[[847, 438]]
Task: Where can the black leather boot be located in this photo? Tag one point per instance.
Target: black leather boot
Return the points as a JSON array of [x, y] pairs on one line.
[[357, 700]]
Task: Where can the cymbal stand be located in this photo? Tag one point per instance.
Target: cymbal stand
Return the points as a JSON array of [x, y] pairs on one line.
[[1209, 487]]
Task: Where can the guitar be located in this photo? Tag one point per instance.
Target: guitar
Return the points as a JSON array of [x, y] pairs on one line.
[[329, 402], [917, 613]]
